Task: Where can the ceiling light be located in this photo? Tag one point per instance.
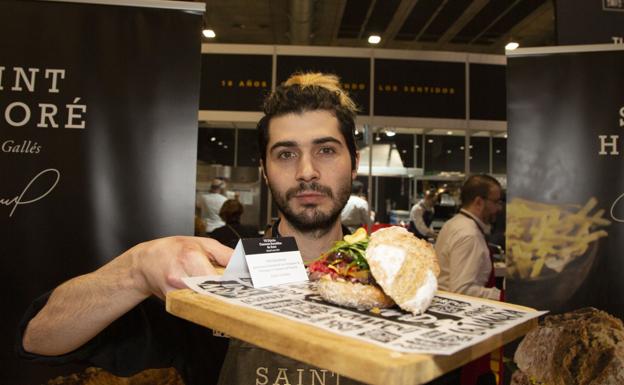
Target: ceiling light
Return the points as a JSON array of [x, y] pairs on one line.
[[449, 133], [505, 136], [209, 33], [511, 46], [430, 140], [356, 132], [390, 132], [374, 39], [213, 139]]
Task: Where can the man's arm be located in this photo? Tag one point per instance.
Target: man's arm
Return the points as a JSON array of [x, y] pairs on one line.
[[467, 273], [82, 307], [420, 224]]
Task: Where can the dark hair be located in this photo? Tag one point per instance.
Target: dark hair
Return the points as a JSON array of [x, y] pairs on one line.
[[231, 211], [357, 187], [478, 185], [309, 92]]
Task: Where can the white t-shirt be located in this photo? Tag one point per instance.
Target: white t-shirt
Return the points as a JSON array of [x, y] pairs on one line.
[[210, 205], [355, 212]]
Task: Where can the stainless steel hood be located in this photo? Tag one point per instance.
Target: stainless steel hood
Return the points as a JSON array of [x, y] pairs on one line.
[[386, 162]]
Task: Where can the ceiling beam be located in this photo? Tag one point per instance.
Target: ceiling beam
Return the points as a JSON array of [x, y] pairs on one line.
[[300, 17], [337, 19], [509, 8], [403, 11], [532, 30], [473, 9], [369, 12], [431, 19]]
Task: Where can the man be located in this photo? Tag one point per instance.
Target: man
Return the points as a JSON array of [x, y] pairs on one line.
[[109, 319], [355, 213], [211, 204], [421, 216], [463, 253]]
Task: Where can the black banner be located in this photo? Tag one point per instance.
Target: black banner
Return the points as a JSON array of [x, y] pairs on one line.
[[590, 22], [354, 73], [413, 88], [98, 130], [488, 95], [235, 82], [565, 234]]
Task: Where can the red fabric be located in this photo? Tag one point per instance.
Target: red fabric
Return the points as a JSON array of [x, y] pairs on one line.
[[378, 226]]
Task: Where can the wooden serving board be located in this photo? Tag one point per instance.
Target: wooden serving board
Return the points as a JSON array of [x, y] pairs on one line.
[[353, 358]]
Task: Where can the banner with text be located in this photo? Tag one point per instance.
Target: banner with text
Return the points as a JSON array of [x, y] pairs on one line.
[[98, 131], [566, 180], [590, 22]]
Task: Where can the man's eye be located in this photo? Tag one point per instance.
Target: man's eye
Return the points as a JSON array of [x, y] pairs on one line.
[[327, 150], [286, 155]]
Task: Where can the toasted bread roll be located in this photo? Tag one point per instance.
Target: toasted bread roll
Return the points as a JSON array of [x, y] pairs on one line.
[[404, 266], [351, 294]]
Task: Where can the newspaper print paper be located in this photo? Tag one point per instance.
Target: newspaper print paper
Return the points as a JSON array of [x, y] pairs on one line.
[[449, 325]]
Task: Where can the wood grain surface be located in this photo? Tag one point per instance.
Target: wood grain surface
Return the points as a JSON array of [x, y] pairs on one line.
[[350, 357]]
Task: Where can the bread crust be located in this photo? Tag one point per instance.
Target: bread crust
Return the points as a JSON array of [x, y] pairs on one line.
[[404, 266], [585, 346], [356, 295]]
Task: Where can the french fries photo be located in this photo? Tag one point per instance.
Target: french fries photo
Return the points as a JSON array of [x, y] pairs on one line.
[[540, 235]]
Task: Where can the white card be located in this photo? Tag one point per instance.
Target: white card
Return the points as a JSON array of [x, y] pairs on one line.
[[268, 261]]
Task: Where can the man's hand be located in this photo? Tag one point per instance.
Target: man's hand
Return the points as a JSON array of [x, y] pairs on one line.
[[160, 264]]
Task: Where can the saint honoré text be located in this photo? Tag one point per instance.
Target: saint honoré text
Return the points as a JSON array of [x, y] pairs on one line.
[[609, 143], [24, 198], [609, 146], [44, 114]]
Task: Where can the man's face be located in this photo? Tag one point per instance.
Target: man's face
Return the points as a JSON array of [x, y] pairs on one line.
[[492, 205], [308, 169]]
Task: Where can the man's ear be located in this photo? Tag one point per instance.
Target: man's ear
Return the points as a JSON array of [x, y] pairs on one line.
[[263, 172], [357, 164], [479, 202]]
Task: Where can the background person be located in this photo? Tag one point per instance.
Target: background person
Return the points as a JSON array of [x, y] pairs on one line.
[[355, 213], [421, 216], [210, 204], [465, 260], [233, 230], [461, 246]]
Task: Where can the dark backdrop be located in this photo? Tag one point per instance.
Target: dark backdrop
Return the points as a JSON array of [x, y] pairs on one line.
[[115, 170], [559, 106]]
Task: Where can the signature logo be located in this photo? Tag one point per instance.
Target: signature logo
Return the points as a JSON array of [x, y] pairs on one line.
[[23, 198]]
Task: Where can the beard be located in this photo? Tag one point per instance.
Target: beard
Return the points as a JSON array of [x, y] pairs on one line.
[[311, 218]]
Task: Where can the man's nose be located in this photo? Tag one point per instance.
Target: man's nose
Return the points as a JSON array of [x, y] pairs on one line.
[[306, 169]]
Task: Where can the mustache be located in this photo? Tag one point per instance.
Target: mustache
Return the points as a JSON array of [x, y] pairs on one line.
[[307, 187]]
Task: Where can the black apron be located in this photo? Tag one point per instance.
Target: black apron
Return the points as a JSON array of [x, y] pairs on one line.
[[247, 364]]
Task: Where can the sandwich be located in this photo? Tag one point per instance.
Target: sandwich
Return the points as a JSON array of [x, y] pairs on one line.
[[344, 276], [389, 267]]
